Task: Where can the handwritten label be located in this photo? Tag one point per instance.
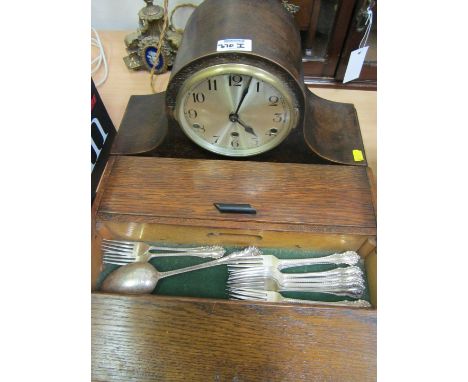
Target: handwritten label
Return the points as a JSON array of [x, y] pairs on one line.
[[234, 44]]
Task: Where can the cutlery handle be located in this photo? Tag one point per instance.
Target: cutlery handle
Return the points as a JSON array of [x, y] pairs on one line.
[[212, 248], [328, 285], [351, 271], [346, 292], [229, 259], [348, 257], [299, 301], [211, 255], [355, 304]]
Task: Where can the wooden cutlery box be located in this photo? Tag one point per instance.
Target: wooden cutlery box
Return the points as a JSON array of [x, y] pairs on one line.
[[327, 208]]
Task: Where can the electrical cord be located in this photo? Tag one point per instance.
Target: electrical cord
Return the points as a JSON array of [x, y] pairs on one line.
[[172, 25], [99, 59]]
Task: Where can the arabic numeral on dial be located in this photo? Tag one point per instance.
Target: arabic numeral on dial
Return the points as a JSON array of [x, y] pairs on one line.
[[216, 139], [198, 97], [272, 132], [196, 126], [235, 143], [235, 80], [212, 85], [258, 87], [278, 117], [235, 139], [273, 101], [192, 113]]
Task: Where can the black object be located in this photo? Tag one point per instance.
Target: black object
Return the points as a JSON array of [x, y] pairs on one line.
[[102, 136], [235, 208]]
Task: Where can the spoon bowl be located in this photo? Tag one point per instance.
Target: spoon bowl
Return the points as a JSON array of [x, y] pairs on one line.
[[135, 278]]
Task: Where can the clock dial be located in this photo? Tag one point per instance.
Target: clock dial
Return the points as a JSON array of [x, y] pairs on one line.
[[235, 114]]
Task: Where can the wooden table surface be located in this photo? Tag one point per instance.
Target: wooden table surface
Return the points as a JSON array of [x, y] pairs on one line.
[[122, 83]]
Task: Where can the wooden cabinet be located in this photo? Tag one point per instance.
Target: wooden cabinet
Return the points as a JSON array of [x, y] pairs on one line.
[[303, 17], [330, 31], [166, 200]]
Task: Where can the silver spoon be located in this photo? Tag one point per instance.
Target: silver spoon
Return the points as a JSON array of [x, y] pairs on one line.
[[140, 278]]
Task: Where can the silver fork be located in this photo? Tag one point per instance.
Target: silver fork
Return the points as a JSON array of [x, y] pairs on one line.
[[268, 284], [340, 285], [256, 276], [346, 258], [239, 274], [347, 285], [124, 252], [271, 296]]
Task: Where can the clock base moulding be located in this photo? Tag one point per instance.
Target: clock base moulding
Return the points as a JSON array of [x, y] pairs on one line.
[[331, 134]]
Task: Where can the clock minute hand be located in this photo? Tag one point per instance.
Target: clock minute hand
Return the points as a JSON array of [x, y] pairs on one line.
[[246, 90]]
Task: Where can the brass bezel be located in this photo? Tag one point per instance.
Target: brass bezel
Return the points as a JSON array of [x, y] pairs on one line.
[[242, 69]]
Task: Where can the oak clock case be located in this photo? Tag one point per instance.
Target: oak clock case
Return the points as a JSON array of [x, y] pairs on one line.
[[240, 104]]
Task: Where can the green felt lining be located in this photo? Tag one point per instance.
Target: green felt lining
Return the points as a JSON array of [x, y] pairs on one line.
[[211, 282]]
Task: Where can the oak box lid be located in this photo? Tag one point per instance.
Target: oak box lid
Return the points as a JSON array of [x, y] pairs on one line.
[[287, 197]]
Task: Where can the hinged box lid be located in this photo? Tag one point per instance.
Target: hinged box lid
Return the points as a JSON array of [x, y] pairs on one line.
[[287, 197]]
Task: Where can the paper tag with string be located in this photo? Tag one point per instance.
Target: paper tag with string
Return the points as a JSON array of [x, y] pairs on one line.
[[357, 57]]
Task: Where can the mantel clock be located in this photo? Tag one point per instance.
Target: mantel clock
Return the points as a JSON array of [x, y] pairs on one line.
[[237, 90]]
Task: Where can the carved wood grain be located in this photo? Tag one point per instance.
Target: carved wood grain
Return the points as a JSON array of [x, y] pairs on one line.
[[151, 338], [288, 197]]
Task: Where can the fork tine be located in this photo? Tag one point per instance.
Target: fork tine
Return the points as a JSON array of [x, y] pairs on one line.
[[119, 254], [243, 297], [239, 295], [242, 279], [115, 262], [119, 247], [119, 259], [254, 285], [119, 242], [246, 277], [245, 269], [239, 276], [239, 267], [237, 287], [252, 291], [249, 260], [249, 294]]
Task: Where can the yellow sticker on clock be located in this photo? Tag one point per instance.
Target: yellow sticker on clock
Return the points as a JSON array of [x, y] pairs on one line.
[[358, 156]]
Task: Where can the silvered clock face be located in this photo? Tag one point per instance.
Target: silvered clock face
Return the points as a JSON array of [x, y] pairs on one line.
[[237, 111]]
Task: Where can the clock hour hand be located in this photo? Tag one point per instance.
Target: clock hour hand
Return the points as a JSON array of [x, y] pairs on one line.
[[244, 93], [235, 118], [247, 129]]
